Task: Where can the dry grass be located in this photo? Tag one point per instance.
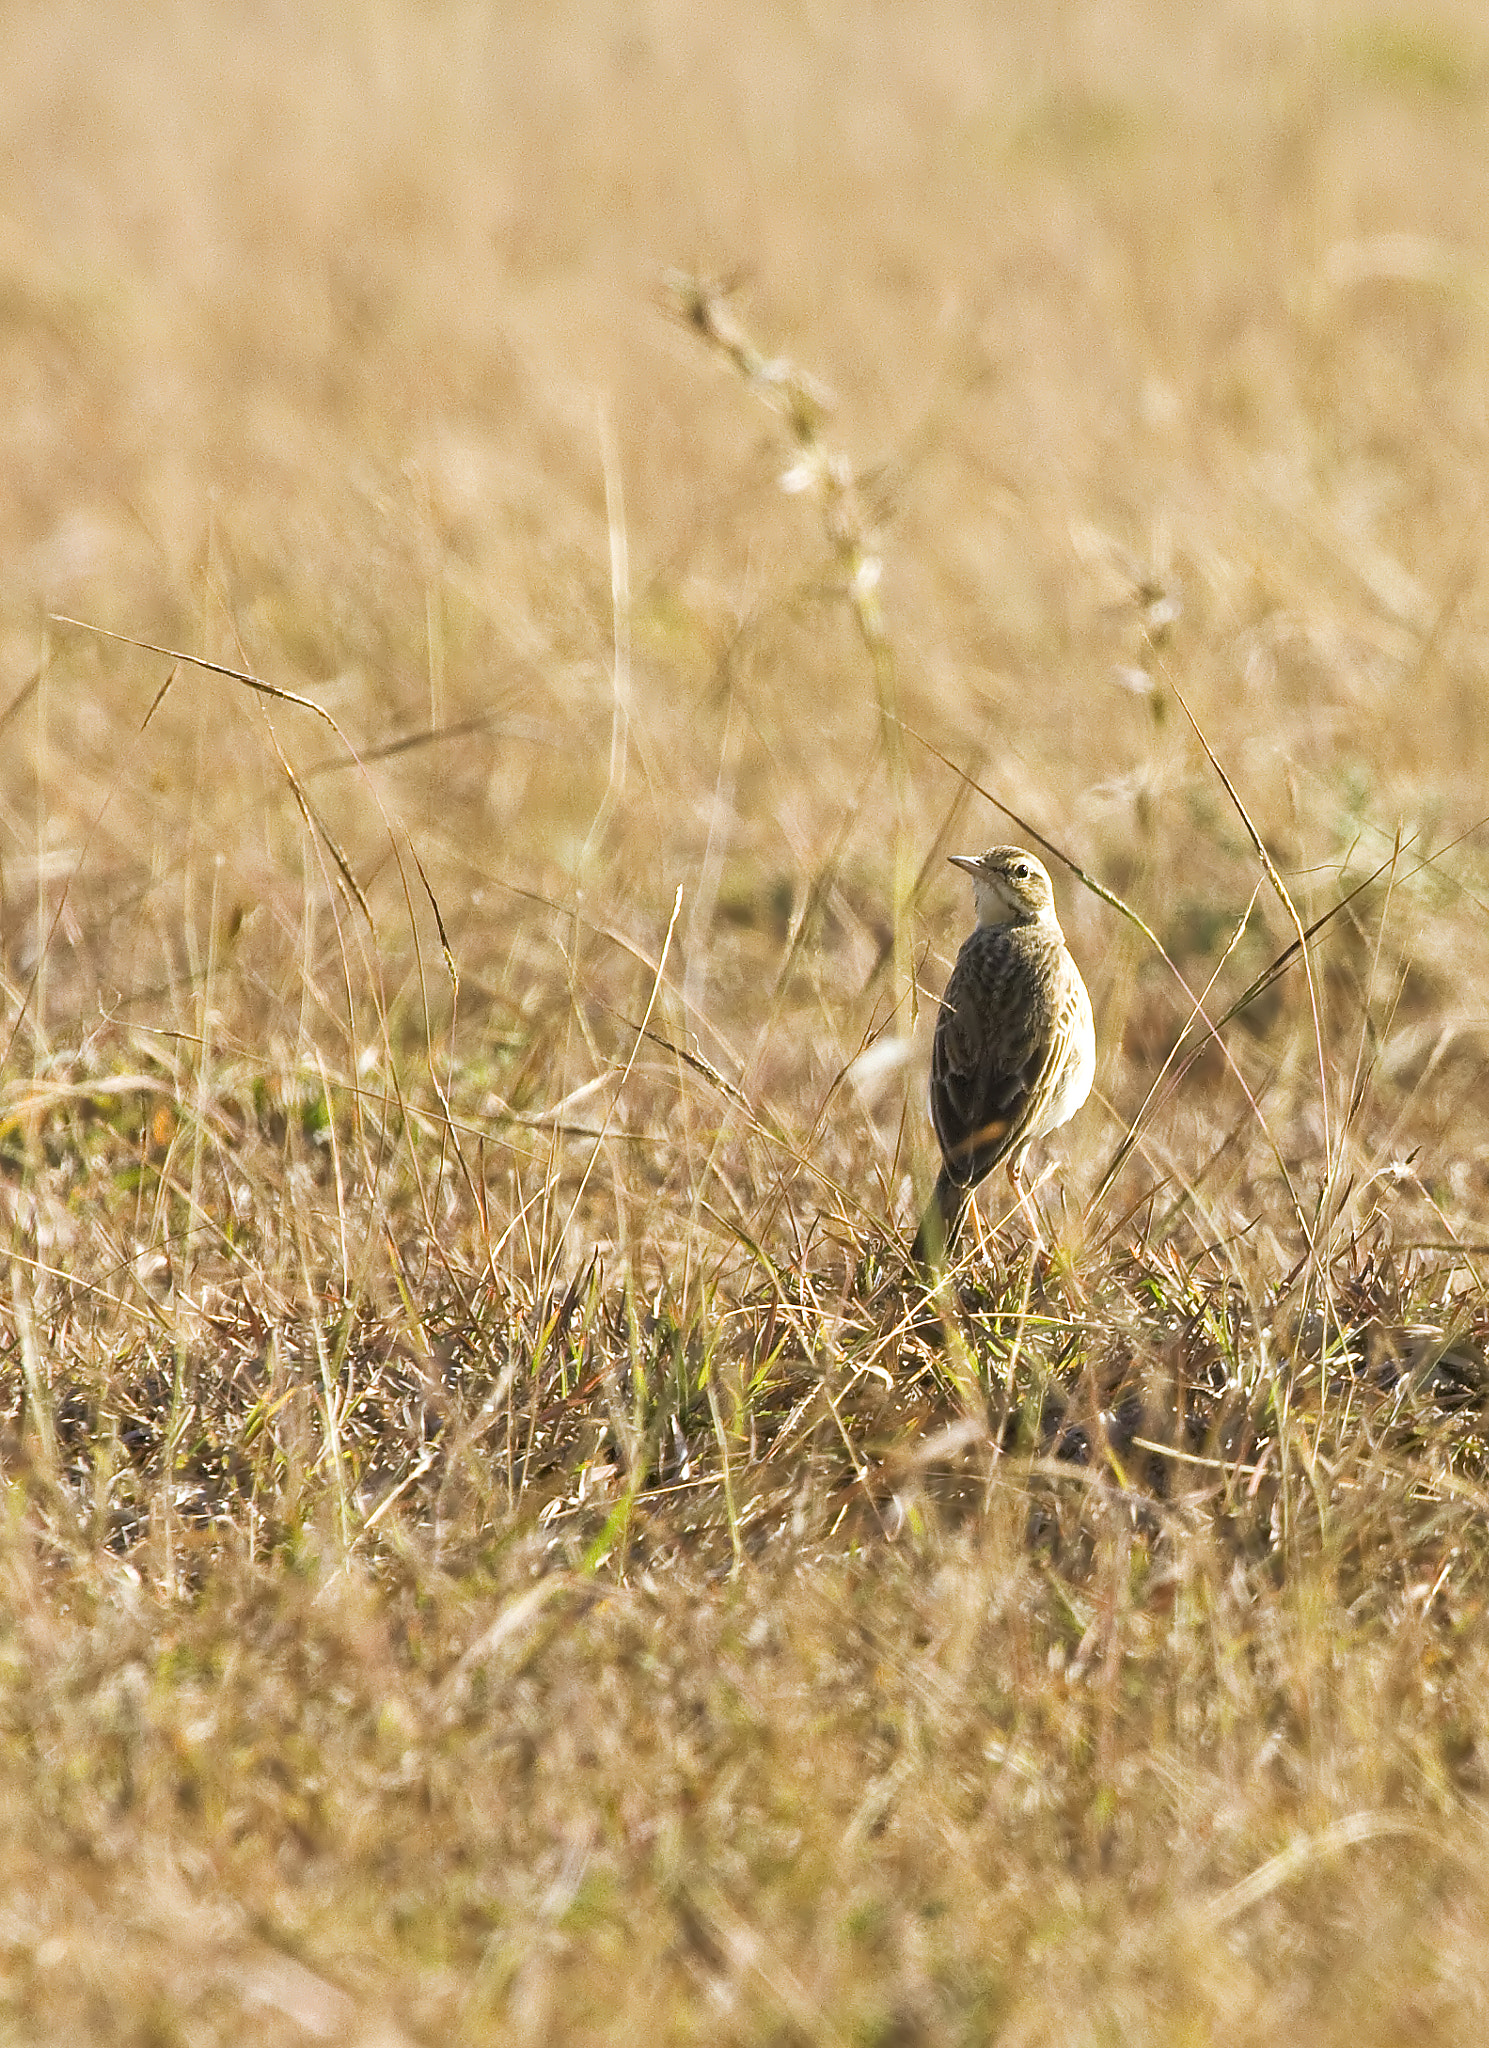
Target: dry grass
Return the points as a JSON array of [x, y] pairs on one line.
[[497, 1545]]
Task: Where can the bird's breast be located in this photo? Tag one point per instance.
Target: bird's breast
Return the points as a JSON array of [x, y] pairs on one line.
[[1074, 1082]]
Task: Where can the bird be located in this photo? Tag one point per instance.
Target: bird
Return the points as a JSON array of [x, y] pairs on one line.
[[1014, 1053]]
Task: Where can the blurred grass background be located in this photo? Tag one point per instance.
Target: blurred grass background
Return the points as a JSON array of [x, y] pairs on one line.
[[493, 1548]]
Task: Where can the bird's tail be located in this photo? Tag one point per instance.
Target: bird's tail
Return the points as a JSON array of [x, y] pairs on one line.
[[939, 1224]]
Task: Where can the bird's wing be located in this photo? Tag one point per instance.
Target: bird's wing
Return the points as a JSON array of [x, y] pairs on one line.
[[993, 1046]]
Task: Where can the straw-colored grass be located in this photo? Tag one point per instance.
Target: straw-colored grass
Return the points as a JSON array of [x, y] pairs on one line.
[[497, 1542]]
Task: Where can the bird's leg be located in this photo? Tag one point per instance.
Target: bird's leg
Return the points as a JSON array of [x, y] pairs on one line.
[[1031, 1216]]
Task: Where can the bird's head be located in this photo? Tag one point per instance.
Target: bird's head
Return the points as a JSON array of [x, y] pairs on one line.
[[1009, 886]]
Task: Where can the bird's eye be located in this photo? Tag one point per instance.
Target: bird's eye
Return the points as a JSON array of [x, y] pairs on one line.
[[1022, 871]]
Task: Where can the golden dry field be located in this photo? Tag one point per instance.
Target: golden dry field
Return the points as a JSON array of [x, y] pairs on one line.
[[527, 534]]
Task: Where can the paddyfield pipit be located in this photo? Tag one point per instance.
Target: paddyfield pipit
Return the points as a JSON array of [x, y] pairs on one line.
[[1015, 1050]]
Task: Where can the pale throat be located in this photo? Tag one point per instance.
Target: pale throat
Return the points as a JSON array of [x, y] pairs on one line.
[[995, 905]]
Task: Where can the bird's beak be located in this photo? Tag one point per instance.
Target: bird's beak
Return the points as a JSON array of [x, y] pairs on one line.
[[969, 861]]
